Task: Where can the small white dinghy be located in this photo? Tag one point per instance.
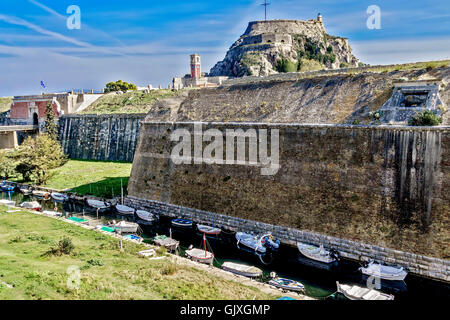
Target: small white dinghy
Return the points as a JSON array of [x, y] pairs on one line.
[[125, 227], [315, 253], [242, 269], [360, 293], [59, 197], [287, 284], [34, 205], [7, 203], [147, 253], [52, 213], [98, 204], [41, 194], [124, 210], [25, 191], [200, 255], [208, 230], [384, 272], [145, 215]]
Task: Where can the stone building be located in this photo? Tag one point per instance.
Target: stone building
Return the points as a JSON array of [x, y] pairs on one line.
[[197, 79]]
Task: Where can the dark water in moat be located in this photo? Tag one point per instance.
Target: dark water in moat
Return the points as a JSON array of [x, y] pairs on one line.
[[287, 262]]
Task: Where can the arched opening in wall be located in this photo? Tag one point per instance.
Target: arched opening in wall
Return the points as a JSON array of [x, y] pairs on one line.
[[282, 41], [255, 42], [269, 41], [35, 119]]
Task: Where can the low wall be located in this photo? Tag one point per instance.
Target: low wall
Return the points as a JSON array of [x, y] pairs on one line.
[[100, 137], [424, 266]]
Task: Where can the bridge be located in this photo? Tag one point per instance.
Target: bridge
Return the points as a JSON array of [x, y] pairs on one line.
[[8, 135]]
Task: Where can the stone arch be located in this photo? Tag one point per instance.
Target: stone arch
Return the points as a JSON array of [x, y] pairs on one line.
[[35, 119]]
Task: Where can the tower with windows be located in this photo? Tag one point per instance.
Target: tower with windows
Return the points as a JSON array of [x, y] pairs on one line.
[[196, 66]]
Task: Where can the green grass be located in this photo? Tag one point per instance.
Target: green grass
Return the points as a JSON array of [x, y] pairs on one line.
[[130, 102], [26, 273], [5, 104], [99, 178]]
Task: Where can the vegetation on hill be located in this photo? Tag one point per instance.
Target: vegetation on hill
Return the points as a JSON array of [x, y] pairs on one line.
[[425, 118], [5, 104], [119, 86], [41, 258], [130, 102]]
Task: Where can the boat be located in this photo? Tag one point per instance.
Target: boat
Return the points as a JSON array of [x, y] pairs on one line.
[[25, 191], [164, 241], [98, 204], [208, 230], [145, 215], [200, 255], [256, 243], [124, 210], [106, 229], [6, 187], [316, 253], [59, 197], [41, 194], [8, 203], [287, 284], [52, 213], [79, 220], [34, 205], [147, 253], [242, 269], [134, 238], [125, 227], [384, 272], [182, 223], [361, 293]]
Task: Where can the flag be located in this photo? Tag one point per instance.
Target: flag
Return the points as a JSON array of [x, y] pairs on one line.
[[42, 84]]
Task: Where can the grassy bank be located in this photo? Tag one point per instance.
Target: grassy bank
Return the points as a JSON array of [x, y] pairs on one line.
[[99, 178], [130, 102], [26, 272]]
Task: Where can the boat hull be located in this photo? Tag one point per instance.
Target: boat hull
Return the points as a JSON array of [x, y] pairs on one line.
[[287, 284], [360, 293], [377, 271], [311, 252], [182, 223], [250, 242], [200, 256], [242, 270], [209, 230]]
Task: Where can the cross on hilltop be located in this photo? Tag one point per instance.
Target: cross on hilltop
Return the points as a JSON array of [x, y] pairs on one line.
[[265, 4]]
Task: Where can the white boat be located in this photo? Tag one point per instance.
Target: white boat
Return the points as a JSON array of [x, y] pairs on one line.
[[59, 196], [124, 210], [34, 205], [384, 272], [242, 269], [147, 253], [52, 213], [125, 227], [208, 230], [360, 293], [287, 284], [25, 191], [257, 243], [8, 203], [98, 204], [315, 253], [145, 215], [199, 255], [41, 194]]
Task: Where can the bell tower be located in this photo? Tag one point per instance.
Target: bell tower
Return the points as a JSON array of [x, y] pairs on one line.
[[196, 66]]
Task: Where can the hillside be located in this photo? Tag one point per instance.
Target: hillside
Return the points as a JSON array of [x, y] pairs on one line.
[[130, 102], [269, 47], [345, 97]]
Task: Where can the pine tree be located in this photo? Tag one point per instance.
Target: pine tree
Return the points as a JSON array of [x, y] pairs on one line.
[[50, 127]]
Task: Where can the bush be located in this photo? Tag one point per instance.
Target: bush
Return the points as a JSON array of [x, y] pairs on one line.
[[65, 247], [119, 86], [425, 118], [7, 165], [50, 127], [285, 65]]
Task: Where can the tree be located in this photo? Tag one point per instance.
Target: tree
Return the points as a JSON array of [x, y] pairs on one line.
[[50, 127], [38, 156], [119, 86], [7, 165]]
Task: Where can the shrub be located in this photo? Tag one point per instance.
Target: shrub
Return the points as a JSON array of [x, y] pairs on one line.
[[425, 118], [65, 247], [7, 165], [285, 65], [50, 126]]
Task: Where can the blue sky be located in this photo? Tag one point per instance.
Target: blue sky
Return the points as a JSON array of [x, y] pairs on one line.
[[149, 42]]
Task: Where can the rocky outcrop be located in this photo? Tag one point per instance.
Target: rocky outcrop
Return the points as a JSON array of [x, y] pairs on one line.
[[269, 47]]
